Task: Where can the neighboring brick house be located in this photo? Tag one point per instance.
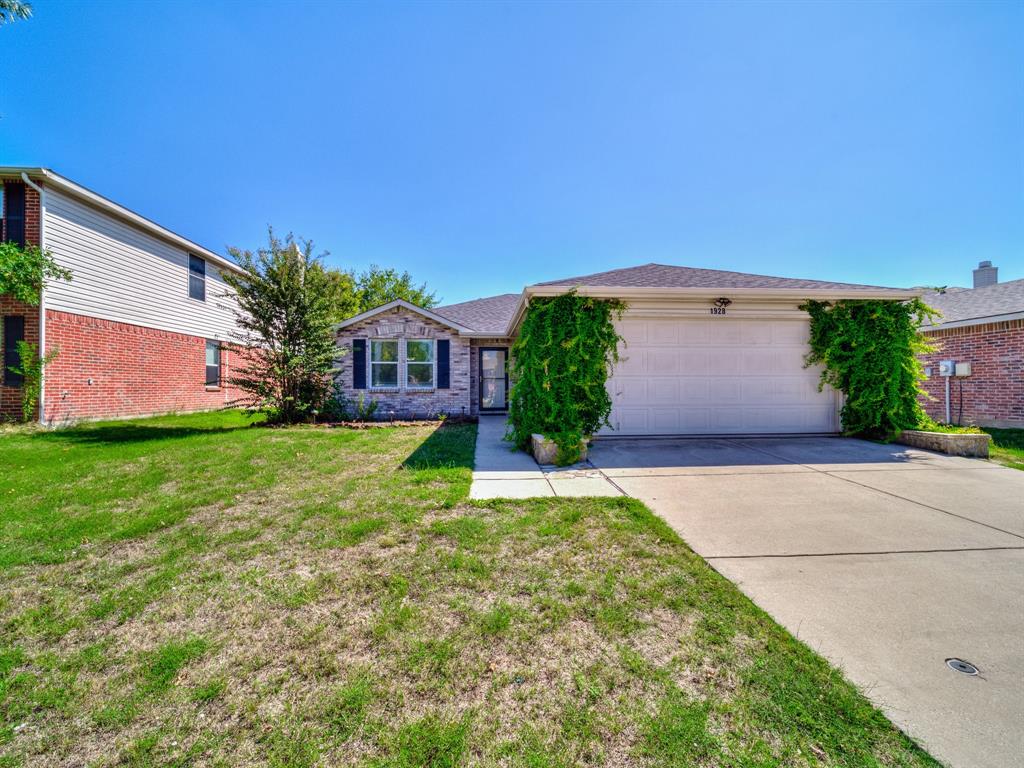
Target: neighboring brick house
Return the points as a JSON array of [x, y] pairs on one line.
[[982, 326], [706, 352], [143, 325]]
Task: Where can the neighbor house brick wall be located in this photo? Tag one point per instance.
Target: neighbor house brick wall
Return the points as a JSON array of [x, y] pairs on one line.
[[399, 403], [993, 395], [10, 397], [110, 369]]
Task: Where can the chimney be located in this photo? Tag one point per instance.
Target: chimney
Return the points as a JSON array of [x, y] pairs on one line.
[[985, 274]]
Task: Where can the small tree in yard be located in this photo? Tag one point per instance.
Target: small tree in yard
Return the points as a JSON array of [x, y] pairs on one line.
[[284, 316]]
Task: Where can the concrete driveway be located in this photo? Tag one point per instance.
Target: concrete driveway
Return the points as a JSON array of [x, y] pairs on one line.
[[885, 559]]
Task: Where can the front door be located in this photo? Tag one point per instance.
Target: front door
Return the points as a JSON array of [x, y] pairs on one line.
[[493, 379]]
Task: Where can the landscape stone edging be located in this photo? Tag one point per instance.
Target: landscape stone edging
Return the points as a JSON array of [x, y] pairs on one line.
[[545, 450], [955, 444]]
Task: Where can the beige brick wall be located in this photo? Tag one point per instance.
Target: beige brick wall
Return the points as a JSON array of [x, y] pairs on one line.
[[404, 403]]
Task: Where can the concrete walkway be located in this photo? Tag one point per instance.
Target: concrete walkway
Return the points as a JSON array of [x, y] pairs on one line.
[[501, 472]]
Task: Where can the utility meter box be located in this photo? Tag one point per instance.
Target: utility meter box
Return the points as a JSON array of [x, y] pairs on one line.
[[963, 369], [946, 368]]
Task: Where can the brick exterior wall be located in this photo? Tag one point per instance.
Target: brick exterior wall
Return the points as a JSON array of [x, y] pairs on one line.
[[10, 397], [107, 369], [404, 403], [993, 395]]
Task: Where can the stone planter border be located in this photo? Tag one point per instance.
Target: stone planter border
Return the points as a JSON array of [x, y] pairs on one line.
[[972, 446], [544, 449]]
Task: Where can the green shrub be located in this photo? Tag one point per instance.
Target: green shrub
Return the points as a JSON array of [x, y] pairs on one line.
[[31, 371], [559, 367], [869, 350], [24, 269]]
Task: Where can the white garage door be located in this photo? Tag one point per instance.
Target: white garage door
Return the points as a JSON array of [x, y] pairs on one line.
[[717, 375]]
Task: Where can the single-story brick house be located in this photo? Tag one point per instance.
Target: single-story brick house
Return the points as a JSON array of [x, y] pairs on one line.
[[707, 352], [141, 328], [982, 326]]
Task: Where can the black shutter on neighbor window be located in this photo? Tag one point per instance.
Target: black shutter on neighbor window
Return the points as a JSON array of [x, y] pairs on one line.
[[444, 375], [14, 331], [14, 213], [359, 363]]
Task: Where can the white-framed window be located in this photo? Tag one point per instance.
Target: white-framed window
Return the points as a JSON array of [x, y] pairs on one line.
[[196, 278], [420, 364], [383, 363]]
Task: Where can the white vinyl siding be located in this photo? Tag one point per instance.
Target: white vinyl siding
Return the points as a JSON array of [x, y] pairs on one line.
[[124, 274]]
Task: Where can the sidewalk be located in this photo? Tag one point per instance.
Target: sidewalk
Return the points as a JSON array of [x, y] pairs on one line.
[[501, 472]]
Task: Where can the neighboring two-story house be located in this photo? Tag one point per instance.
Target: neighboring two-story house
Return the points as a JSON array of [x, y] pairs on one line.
[[143, 326]]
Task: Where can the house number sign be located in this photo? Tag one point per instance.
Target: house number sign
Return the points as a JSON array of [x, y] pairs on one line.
[[720, 305]]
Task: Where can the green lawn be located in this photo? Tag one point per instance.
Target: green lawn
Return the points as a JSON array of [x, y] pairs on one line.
[[1007, 446], [192, 591]]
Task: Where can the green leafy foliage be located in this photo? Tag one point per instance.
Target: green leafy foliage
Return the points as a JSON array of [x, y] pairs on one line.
[[23, 270], [869, 350], [30, 369], [349, 293], [559, 365], [284, 317], [11, 10]]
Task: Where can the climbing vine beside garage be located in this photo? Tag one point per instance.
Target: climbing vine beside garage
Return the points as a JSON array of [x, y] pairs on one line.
[[559, 367], [869, 350]]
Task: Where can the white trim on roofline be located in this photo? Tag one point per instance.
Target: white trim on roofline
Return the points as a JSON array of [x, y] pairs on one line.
[[109, 206], [777, 294], [973, 321], [403, 304]]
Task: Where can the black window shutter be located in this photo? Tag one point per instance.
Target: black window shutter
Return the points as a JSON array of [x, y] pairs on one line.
[[14, 213], [14, 331], [444, 375], [359, 363]]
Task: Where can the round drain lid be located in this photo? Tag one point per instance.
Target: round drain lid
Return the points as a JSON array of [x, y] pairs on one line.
[[964, 667]]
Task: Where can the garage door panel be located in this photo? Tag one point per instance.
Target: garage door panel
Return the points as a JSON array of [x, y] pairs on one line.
[[789, 332], [726, 333], [693, 333], [693, 362], [756, 333], [633, 332], [664, 333], [663, 391], [717, 375], [631, 364], [724, 362], [662, 361]]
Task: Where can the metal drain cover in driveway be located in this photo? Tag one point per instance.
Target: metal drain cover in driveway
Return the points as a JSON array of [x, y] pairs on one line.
[[959, 665]]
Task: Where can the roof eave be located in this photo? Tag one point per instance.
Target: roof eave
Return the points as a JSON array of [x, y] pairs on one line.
[[967, 322], [403, 304], [55, 180], [895, 294], [626, 293]]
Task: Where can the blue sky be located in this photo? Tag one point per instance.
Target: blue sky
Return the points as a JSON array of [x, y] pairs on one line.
[[483, 146]]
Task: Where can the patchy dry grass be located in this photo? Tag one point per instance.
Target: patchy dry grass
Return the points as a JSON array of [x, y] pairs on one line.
[[188, 591]]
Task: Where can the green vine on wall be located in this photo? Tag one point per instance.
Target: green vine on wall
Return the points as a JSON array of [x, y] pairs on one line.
[[23, 269], [559, 367], [869, 350]]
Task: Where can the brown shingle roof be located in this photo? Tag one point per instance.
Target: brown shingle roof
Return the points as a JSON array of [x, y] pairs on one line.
[[668, 276], [488, 315], [960, 304]]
